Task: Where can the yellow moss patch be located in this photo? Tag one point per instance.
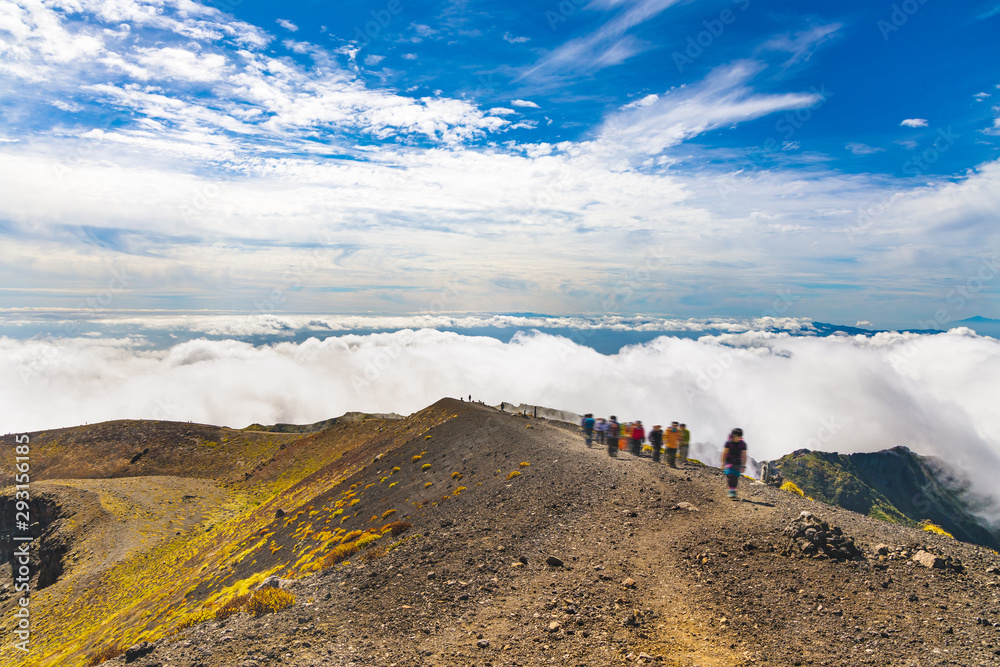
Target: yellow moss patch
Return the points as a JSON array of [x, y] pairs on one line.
[[269, 600], [791, 487], [931, 527], [516, 473]]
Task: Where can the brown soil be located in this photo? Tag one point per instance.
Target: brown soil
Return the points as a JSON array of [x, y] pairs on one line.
[[641, 580]]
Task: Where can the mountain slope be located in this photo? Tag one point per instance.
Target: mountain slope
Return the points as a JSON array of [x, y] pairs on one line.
[[471, 581], [893, 485]]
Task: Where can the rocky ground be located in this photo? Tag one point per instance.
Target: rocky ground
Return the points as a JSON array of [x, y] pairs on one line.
[[584, 559]]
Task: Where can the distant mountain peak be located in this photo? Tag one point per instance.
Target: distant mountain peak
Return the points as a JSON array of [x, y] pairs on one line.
[[896, 485]]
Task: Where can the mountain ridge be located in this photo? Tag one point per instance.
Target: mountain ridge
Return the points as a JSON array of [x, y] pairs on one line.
[[895, 485], [519, 536]]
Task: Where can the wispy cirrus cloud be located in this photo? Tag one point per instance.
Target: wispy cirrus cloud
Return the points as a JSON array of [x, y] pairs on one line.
[[862, 149], [657, 122], [802, 44], [609, 45]]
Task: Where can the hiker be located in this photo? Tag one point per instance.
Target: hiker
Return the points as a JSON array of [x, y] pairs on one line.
[[601, 430], [682, 449], [734, 460], [587, 425], [638, 437], [673, 435], [614, 430], [656, 440]]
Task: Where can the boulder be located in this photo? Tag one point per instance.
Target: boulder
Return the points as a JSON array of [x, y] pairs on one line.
[[929, 560], [275, 582], [139, 650]]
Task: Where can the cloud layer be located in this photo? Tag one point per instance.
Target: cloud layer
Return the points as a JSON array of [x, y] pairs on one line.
[[933, 393]]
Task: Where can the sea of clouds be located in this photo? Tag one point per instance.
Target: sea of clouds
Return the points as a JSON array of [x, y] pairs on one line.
[[936, 394]]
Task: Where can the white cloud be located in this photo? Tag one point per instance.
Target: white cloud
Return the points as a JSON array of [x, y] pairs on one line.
[[515, 40], [424, 30], [981, 96], [995, 130], [524, 103], [288, 25], [914, 122], [802, 44], [607, 46], [723, 98], [409, 56], [934, 394], [862, 149], [373, 60], [68, 107], [176, 63], [646, 101]]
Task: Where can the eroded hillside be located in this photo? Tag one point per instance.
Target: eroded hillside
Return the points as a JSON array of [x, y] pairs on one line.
[[461, 536]]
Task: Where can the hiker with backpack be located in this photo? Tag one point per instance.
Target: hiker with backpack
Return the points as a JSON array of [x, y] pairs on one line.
[[614, 431], [638, 437], [587, 425], [734, 460], [673, 437], [656, 440]]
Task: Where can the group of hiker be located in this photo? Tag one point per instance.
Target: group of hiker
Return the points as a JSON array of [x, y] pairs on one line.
[[631, 436], [673, 443]]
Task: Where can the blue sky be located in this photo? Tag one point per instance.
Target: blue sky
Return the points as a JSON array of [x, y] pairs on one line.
[[690, 159]]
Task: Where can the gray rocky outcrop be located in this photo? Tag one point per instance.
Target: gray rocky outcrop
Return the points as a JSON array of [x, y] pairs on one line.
[[811, 537]]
